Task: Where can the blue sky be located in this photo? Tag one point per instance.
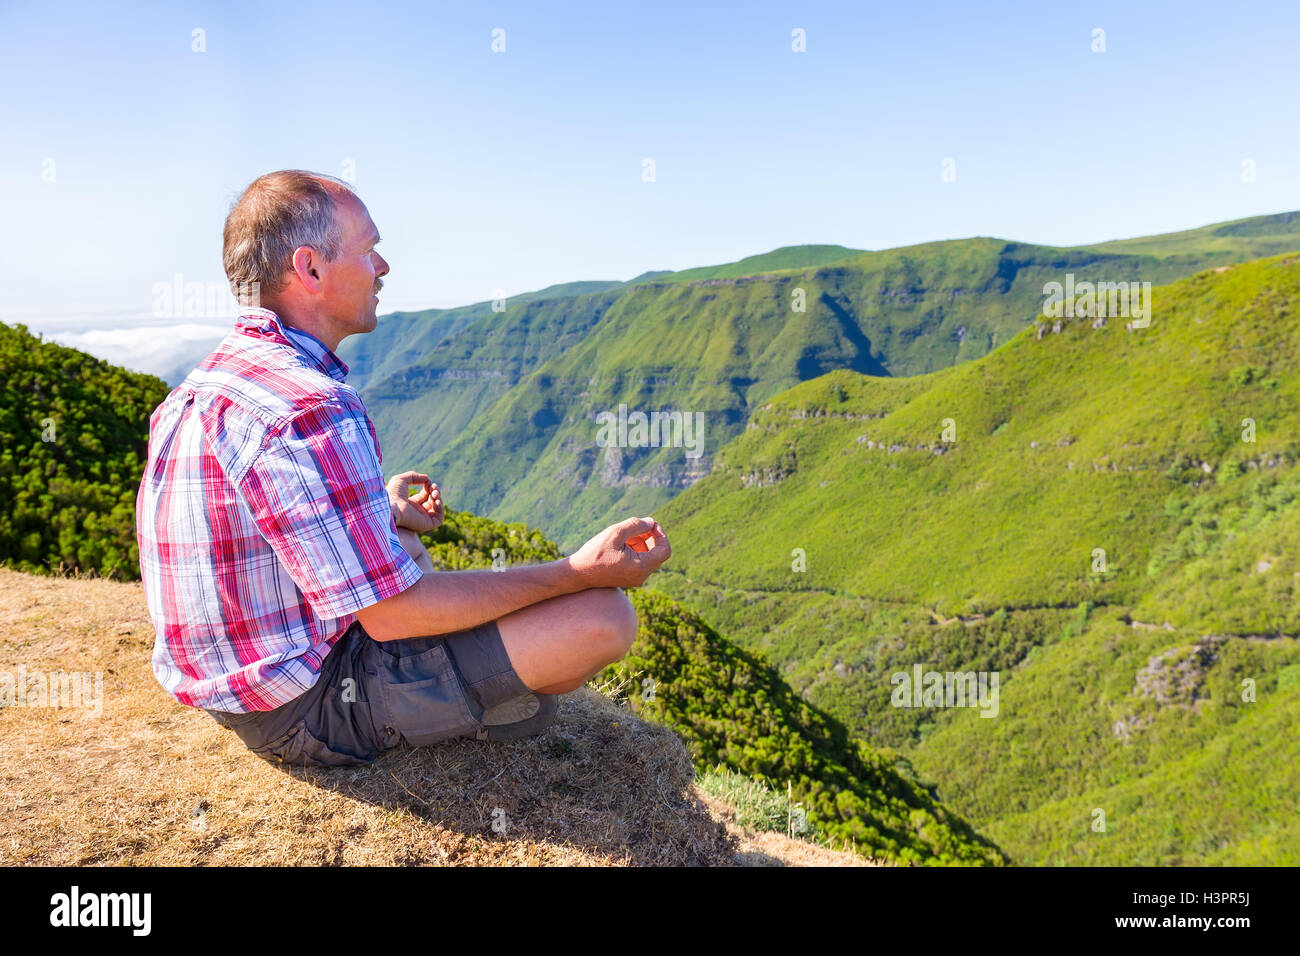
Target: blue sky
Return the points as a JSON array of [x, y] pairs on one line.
[[516, 170]]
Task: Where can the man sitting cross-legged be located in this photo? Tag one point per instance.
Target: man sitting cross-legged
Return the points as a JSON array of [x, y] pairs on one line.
[[284, 599]]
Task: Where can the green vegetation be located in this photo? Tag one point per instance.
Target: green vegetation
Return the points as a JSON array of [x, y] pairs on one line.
[[1113, 530], [787, 257], [1185, 770], [734, 709], [1253, 238], [430, 374], [1126, 422], [466, 541], [73, 437], [735, 712]]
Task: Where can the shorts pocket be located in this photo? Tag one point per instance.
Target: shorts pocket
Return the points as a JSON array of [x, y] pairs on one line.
[[423, 698]]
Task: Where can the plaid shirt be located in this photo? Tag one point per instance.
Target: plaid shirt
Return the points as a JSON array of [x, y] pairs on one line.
[[262, 519]]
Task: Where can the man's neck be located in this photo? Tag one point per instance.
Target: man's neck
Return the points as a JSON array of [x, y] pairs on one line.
[[320, 328], [297, 331]]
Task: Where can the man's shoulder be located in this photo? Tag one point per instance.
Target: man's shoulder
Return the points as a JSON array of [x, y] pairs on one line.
[[264, 380], [247, 391]]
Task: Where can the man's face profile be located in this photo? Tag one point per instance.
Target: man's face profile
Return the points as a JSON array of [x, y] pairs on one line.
[[351, 283]]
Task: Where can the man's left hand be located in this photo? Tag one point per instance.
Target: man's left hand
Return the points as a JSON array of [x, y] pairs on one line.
[[421, 513]]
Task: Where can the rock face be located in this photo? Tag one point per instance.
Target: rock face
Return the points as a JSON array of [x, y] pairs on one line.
[[682, 472], [1176, 676], [1172, 678]]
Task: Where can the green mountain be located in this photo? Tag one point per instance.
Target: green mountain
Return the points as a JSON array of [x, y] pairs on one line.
[[74, 432], [426, 375], [1105, 516], [502, 407], [735, 711], [459, 375]]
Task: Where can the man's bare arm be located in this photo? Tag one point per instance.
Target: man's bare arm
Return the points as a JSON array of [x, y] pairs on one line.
[[447, 601]]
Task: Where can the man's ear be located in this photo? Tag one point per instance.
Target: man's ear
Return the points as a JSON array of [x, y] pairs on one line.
[[305, 266]]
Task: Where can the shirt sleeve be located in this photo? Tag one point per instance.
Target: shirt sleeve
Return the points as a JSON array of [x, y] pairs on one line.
[[318, 497]]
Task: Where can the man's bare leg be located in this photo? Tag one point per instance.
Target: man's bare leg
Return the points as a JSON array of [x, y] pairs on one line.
[[556, 645]]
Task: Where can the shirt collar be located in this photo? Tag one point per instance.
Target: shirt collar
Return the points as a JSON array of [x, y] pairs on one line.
[[266, 324]]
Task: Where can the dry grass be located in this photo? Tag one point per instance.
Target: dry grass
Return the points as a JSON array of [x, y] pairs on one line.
[[150, 781]]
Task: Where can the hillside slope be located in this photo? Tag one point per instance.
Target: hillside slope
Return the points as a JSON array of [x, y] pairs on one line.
[[735, 712], [1146, 426], [1114, 530], [151, 782]]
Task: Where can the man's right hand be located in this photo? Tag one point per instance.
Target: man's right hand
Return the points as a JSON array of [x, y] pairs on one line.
[[623, 555]]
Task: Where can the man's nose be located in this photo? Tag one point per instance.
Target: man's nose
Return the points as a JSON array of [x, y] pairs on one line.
[[382, 268]]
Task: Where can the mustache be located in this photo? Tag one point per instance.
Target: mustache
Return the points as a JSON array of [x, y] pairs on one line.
[[379, 284]]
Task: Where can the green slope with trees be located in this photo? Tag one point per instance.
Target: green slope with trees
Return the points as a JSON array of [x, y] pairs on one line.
[[1113, 530], [74, 432], [735, 711]]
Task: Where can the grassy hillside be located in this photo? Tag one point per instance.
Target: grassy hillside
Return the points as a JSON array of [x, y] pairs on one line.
[[1253, 238], [503, 412], [426, 375], [1122, 680], [1148, 726], [735, 712], [405, 338], [73, 438]]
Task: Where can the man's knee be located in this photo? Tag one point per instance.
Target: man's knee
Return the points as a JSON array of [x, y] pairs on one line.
[[615, 620]]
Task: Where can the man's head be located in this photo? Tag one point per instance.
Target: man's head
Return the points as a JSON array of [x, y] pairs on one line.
[[303, 245]]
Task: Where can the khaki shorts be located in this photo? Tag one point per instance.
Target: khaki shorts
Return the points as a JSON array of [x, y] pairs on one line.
[[373, 695]]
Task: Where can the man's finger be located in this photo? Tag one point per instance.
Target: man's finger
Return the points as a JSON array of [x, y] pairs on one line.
[[659, 533], [662, 549], [629, 527]]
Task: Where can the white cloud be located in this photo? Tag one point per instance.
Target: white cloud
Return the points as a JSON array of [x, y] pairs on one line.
[[167, 352]]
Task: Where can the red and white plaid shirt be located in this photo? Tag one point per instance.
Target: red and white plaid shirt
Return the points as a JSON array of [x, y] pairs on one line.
[[262, 519]]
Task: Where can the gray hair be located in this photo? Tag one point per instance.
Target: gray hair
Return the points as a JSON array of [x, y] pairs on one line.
[[275, 215]]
